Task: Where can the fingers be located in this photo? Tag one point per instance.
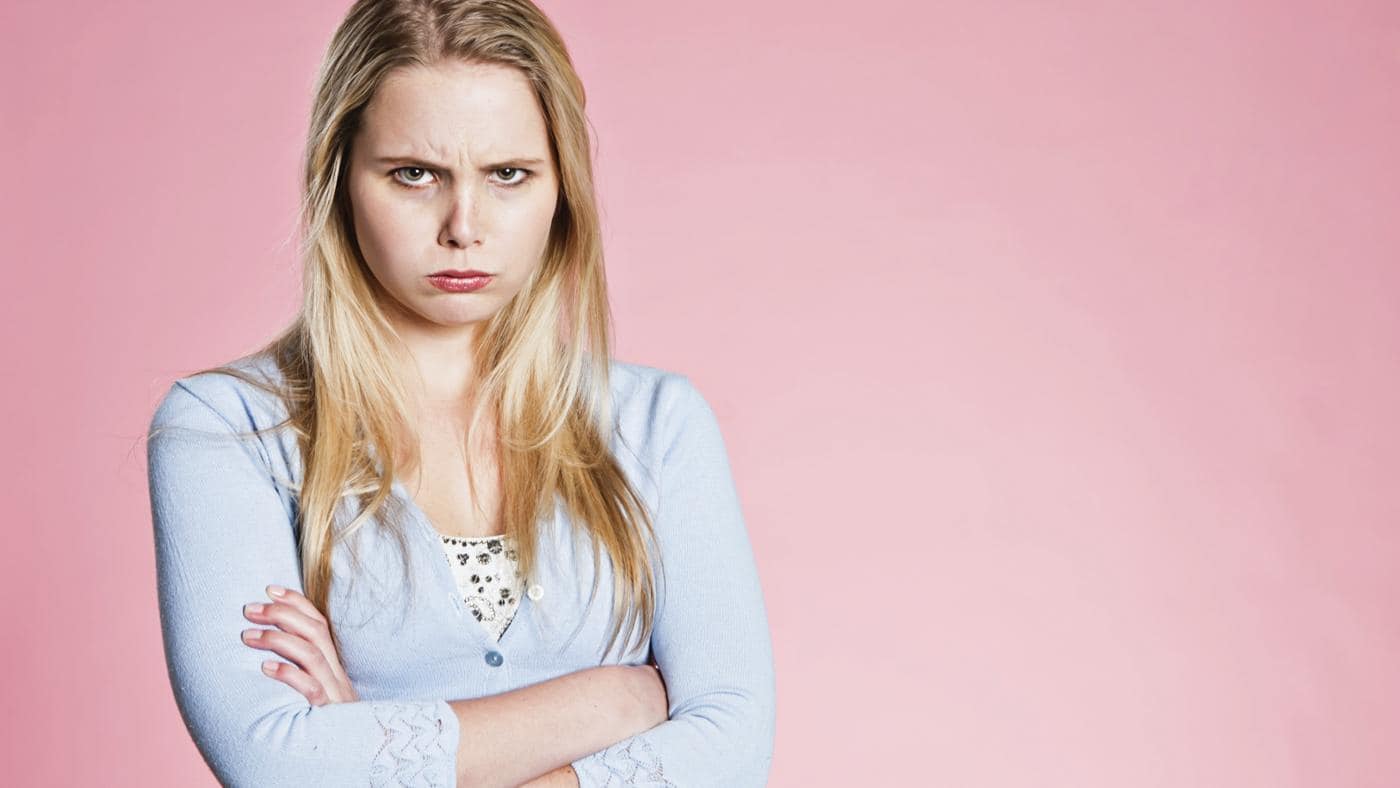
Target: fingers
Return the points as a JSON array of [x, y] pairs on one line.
[[300, 634], [296, 600], [295, 614], [299, 680], [318, 678], [293, 647]]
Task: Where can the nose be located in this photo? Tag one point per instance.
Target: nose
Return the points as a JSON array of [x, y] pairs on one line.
[[462, 226]]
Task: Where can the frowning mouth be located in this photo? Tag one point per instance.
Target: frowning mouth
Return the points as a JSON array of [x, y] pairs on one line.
[[459, 281]]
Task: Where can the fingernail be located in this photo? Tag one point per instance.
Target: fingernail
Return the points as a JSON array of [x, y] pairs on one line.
[[276, 591], [269, 666], [256, 609]]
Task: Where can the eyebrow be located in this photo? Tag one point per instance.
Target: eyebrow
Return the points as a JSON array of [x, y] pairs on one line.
[[414, 160]]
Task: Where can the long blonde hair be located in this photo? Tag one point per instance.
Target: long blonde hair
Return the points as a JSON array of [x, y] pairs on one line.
[[542, 361]]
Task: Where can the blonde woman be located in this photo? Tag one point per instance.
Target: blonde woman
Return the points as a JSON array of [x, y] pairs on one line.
[[433, 534]]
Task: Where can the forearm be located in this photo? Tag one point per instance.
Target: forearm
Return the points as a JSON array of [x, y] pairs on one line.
[[515, 737], [563, 777], [721, 692]]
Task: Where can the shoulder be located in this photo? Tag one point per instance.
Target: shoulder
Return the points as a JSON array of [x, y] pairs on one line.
[[657, 395], [220, 400], [663, 412]]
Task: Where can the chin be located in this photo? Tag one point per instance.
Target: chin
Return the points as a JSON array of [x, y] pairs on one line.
[[459, 318]]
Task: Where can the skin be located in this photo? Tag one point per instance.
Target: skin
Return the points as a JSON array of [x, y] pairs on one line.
[[300, 634], [450, 199], [450, 169]]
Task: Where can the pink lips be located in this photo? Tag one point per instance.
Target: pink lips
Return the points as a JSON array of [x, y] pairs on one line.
[[452, 281]]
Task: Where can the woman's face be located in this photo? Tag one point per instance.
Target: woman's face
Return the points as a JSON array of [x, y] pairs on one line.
[[451, 170]]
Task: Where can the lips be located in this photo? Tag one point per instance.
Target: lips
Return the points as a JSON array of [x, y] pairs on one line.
[[459, 274]]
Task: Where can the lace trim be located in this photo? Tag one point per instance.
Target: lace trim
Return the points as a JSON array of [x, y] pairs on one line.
[[413, 752], [632, 762]]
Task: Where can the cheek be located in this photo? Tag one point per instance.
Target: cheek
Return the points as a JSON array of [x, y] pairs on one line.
[[532, 225], [379, 229]]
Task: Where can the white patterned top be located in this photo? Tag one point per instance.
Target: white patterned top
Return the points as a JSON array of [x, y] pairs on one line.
[[486, 571]]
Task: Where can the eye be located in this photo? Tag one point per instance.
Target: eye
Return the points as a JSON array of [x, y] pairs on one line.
[[413, 183], [525, 175]]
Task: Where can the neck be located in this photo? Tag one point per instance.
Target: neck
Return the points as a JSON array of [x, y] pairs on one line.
[[440, 367]]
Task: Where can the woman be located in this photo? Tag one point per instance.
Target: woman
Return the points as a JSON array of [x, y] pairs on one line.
[[435, 496]]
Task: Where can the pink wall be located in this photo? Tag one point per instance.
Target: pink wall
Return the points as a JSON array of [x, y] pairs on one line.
[[1056, 346]]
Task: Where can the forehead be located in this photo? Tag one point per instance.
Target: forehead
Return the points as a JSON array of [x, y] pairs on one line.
[[455, 110]]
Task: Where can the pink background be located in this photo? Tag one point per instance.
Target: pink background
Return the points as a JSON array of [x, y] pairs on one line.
[[1057, 347]]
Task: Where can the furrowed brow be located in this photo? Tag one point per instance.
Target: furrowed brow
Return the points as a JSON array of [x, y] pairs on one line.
[[419, 161]]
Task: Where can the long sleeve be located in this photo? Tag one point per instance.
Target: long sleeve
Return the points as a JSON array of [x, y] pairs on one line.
[[223, 532], [710, 637]]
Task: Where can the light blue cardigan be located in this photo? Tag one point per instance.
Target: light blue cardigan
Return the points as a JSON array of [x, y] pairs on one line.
[[224, 532]]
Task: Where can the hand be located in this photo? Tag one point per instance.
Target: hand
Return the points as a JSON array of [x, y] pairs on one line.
[[302, 636]]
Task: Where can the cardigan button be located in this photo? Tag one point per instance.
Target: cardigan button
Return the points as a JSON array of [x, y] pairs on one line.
[[535, 592], [494, 659]]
